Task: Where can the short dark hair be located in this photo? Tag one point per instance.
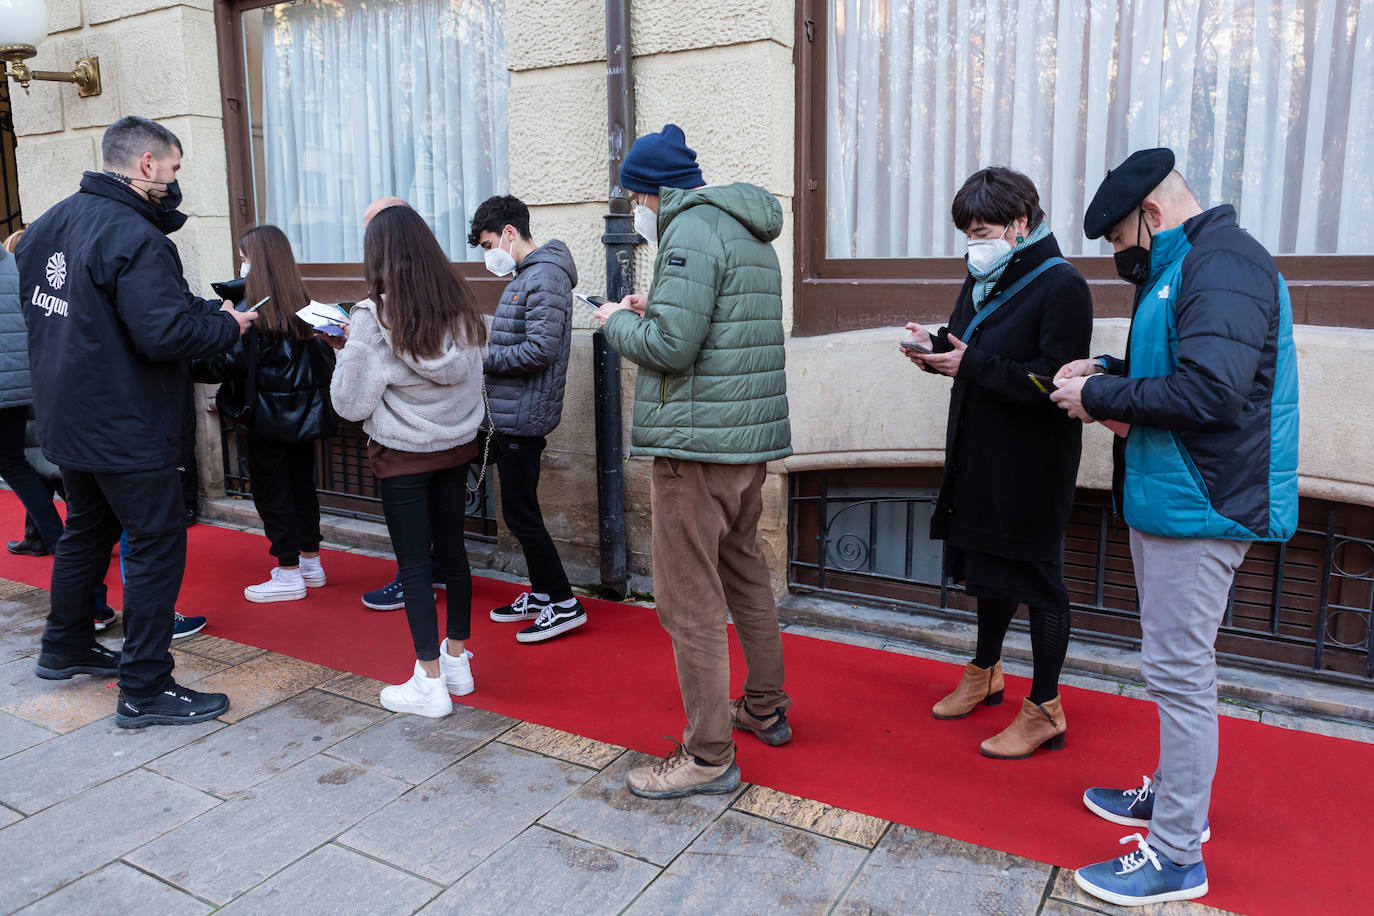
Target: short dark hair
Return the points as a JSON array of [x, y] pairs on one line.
[[131, 136], [496, 213], [996, 195]]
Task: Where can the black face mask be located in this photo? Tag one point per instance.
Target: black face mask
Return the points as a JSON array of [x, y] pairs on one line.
[[171, 197], [1133, 264]]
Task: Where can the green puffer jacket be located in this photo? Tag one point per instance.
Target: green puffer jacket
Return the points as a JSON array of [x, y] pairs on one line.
[[711, 385]]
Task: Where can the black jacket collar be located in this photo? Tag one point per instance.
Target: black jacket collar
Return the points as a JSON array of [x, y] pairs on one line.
[[1024, 261], [111, 188]]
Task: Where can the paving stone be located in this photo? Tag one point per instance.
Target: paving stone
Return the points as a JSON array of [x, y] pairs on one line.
[[587, 752], [59, 705], [244, 754], [106, 823], [118, 890], [60, 768], [849, 639], [247, 839], [744, 864], [29, 604], [356, 687], [1238, 711], [542, 872], [468, 811], [1066, 892], [12, 588], [191, 669], [221, 650], [263, 681], [332, 881], [817, 817], [8, 816], [912, 871], [414, 748], [21, 639], [1349, 731], [16, 734], [605, 812]]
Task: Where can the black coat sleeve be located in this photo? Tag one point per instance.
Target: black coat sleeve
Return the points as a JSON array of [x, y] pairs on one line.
[[1222, 316], [231, 364], [1066, 328], [165, 321]]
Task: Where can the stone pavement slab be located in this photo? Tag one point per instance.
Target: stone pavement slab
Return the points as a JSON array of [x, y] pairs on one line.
[[87, 757], [25, 605], [447, 825], [915, 872], [745, 864], [263, 681], [541, 872], [21, 638], [8, 816], [247, 839], [817, 817], [47, 850], [16, 734], [587, 752], [193, 668], [414, 748], [221, 650], [606, 813], [262, 745], [355, 687], [118, 890], [332, 881]]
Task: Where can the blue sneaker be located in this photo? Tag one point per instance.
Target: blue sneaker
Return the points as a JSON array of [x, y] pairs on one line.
[[186, 626], [1142, 876], [390, 597], [1129, 807]]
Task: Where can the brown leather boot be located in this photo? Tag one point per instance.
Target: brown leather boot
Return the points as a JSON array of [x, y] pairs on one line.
[[1035, 726], [978, 685]]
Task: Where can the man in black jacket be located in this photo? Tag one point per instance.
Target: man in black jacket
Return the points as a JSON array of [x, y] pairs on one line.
[[111, 326]]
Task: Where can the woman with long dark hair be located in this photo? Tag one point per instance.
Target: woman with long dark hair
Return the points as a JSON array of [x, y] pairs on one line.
[[277, 388], [1010, 460], [411, 371]]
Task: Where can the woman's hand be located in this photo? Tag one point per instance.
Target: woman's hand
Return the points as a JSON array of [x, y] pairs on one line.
[[917, 335], [1079, 368], [946, 363], [335, 341]]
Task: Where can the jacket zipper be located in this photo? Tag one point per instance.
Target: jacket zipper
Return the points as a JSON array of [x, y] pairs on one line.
[[662, 393]]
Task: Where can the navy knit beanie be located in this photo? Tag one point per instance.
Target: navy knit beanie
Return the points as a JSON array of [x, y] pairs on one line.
[[660, 160]]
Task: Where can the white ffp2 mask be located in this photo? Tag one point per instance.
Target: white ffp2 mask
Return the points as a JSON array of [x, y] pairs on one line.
[[646, 223]]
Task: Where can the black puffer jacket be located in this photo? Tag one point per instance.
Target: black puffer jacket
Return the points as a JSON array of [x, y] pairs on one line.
[[112, 326], [291, 402], [1011, 456], [527, 358]]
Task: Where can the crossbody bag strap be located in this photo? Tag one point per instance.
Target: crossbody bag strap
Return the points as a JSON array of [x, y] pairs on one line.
[[1007, 294], [250, 382]]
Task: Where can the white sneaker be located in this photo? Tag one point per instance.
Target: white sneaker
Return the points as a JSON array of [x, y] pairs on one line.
[[312, 571], [422, 695], [283, 585], [456, 671]]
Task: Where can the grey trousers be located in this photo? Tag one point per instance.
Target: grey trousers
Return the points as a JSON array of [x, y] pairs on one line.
[[1183, 586]]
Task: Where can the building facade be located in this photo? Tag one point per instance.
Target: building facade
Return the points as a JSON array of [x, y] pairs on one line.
[[862, 118]]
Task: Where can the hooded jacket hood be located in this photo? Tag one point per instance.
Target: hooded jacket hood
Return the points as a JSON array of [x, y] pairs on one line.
[[448, 368], [554, 253], [754, 208], [107, 186]]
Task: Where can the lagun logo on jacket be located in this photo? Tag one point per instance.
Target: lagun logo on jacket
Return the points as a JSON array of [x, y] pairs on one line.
[[57, 278]]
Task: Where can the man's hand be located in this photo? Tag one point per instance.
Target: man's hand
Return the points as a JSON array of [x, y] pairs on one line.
[[1079, 368], [944, 363], [610, 308], [243, 319], [638, 303], [1069, 396]]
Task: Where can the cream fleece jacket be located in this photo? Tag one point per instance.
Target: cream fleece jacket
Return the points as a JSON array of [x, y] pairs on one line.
[[414, 405]]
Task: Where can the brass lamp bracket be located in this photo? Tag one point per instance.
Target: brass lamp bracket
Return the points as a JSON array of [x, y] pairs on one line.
[[86, 74]]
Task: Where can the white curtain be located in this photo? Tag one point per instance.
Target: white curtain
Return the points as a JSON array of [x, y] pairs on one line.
[[368, 98], [1268, 104]]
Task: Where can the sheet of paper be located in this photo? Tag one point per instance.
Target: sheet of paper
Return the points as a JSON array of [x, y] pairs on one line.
[[320, 314]]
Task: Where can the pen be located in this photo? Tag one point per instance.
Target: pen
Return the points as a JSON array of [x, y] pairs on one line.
[[255, 308]]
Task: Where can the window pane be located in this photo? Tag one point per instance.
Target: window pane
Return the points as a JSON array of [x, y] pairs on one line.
[[1266, 104], [358, 99]]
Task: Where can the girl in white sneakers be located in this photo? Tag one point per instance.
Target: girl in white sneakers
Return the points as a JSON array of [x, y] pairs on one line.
[[276, 386], [412, 373]]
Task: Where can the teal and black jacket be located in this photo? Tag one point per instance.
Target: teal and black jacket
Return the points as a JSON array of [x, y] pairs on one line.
[[1210, 388]]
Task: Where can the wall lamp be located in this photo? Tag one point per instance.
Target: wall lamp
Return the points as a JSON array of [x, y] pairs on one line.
[[23, 24]]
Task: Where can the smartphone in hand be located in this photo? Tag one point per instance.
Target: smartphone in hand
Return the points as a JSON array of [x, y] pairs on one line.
[[914, 346], [592, 302]]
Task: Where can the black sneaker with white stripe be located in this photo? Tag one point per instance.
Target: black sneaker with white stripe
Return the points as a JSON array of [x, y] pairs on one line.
[[525, 607], [553, 621], [176, 705]]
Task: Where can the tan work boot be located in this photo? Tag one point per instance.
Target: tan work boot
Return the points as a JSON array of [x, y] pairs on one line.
[[978, 685], [679, 774], [1037, 725], [771, 730]]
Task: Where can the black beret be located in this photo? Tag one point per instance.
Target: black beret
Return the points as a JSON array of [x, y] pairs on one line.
[[1125, 187]]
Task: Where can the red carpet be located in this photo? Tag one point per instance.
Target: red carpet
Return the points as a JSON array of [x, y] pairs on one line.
[[1291, 815]]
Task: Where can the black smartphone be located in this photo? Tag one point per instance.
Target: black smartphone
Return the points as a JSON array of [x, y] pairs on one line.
[[913, 345], [1043, 383], [594, 302]]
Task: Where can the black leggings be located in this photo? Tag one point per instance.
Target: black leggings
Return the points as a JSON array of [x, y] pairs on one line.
[[422, 509], [1049, 629]]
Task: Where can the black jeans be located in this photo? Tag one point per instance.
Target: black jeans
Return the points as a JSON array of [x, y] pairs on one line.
[[283, 478], [517, 464], [421, 507], [24, 480], [147, 505]]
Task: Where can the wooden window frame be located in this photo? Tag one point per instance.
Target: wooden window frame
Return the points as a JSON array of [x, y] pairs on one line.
[[848, 294], [329, 282]]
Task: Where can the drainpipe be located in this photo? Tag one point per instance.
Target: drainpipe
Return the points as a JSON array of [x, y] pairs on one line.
[[619, 239]]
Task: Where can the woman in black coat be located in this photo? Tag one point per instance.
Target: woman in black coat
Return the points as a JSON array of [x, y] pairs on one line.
[[1011, 460], [276, 385]]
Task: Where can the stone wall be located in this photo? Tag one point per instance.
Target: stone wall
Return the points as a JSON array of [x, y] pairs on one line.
[[158, 59]]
